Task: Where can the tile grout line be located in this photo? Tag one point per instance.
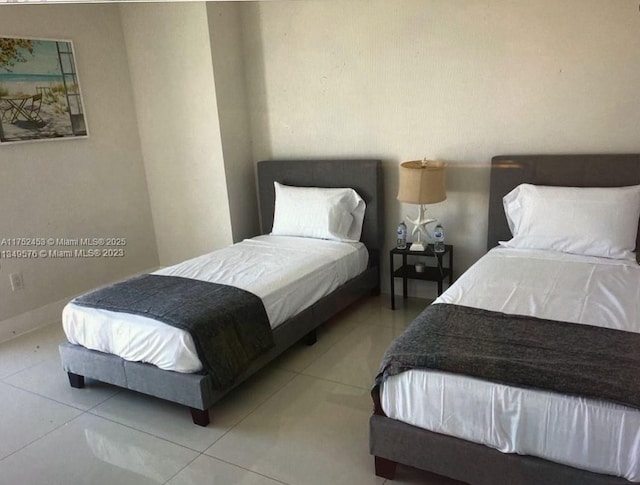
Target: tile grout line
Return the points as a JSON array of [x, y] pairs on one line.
[[332, 381], [8, 376], [245, 469], [113, 420], [42, 437], [237, 424], [331, 346], [128, 426], [183, 468], [356, 326], [84, 410], [252, 411], [200, 453]]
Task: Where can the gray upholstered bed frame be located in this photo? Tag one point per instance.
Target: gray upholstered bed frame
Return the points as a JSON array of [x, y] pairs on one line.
[[195, 390], [393, 442]]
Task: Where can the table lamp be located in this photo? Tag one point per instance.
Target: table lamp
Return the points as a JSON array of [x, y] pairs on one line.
[[421, 182]]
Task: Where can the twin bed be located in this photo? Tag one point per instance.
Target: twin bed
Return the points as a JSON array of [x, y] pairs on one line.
[[320, 254], [489, 385]]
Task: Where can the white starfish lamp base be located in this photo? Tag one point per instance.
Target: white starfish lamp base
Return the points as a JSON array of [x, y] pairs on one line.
[[419, 228]]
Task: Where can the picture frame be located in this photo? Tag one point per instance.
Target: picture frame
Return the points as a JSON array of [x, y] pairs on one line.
[[40, 95]]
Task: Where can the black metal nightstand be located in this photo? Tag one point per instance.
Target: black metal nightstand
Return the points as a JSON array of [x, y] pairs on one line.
[[437, 273]]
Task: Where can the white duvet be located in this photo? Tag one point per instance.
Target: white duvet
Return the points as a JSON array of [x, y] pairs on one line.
[[289, 274], [585, 433]]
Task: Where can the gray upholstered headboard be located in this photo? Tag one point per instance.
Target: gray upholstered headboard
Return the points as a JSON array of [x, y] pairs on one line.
[[509, 171], [365, 176]]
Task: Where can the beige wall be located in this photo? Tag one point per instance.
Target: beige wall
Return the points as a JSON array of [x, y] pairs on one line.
[[225, 30], [175, 97], [458, 80], [91, 187]]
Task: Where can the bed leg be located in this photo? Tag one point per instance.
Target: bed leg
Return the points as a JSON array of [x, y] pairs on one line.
[[311, 338], [385, 468], [200, 417], [76, 380]]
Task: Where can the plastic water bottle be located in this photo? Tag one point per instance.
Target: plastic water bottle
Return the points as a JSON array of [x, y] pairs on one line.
[[401, 236], [438, 236]]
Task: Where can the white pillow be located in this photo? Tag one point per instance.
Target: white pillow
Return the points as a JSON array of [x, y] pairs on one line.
[[320, 213], [592, 221]]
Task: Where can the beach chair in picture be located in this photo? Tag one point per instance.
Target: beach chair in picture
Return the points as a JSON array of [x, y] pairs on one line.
[[32, 109], [44, 90], [6, 110]]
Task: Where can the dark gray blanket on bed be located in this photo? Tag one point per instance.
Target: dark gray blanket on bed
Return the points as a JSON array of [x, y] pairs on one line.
[[229, 326], [521, 351]]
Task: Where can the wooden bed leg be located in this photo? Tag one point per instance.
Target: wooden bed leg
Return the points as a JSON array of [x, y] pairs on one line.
[[200, 417], [311, 338], [385, 468], [76, 380]]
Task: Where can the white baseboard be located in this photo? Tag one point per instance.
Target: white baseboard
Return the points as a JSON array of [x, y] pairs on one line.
[[29, 321]]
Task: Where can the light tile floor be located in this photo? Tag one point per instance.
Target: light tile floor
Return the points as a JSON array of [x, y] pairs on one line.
[[303, 420]]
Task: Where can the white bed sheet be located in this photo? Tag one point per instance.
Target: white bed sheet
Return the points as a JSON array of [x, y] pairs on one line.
[[289, 274], [585, 433]]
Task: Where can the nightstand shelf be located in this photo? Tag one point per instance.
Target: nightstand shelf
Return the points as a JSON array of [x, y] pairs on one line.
[[437, 273]]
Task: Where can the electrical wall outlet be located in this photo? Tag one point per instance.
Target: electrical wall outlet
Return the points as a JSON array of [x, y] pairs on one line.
[[17, 282]]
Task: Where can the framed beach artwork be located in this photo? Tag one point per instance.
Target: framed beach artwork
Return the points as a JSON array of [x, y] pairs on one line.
[[40, 96]]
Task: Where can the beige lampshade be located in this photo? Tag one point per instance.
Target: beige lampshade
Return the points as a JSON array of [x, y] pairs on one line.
[[421, 182]]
